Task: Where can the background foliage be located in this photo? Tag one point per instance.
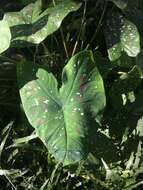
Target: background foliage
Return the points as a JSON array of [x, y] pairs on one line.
[[112, 29]]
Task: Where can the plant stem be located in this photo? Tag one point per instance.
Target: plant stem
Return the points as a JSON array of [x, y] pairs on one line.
[[98, 27], [10, 182], [64, 43], [82, 23], [63, 38], [54, 3]]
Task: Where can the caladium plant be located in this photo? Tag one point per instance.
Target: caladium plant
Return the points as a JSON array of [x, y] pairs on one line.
[[33, 26], [65, 113], [65, 119]]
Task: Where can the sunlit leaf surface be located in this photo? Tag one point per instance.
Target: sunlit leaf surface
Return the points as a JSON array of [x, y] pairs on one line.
[[121, 35], [32, 25], [5, 36], [65, 119]]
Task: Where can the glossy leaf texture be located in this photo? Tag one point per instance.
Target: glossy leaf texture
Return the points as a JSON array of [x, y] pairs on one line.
[[33, 26], [5, 36], [121, 36], [65, 119], [133, 11]]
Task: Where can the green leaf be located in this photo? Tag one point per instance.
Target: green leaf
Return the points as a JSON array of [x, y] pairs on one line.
[[121, 35], [123, 86], [128, 5], [124, 62], [139, 128], [32, 26], [119, 3], [127, 82], [5, 36], [64, 119], [133, 11]]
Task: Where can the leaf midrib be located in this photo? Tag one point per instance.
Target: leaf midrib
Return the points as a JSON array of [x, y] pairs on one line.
[[66, 135]]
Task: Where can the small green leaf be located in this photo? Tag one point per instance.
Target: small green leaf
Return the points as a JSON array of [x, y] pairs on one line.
[[64, 119], [127, 81], [123, 86], [33, 26], [5, 36], [121, 35], [124, 62], [120, 3]]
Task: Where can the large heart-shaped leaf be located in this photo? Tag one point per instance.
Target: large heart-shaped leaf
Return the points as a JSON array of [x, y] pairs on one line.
[[32, 25], [5, 36], [121, 35], [64, 119]]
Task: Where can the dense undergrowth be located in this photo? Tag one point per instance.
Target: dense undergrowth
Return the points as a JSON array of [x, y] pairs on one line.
[[113, 31]]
